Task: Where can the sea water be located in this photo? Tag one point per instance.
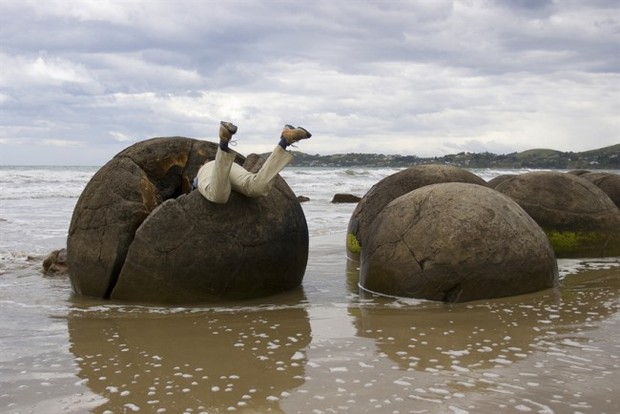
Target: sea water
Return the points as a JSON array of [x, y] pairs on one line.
[[323, 348], [37, 202]]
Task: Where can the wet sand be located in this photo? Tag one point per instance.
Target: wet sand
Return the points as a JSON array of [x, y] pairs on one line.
[[323, 348]]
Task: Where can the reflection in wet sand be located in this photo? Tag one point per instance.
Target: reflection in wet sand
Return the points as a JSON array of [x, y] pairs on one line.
[[547, 352], [190, 361], [481, 335]]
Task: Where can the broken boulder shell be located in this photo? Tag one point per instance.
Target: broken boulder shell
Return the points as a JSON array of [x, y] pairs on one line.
[[139, 233]]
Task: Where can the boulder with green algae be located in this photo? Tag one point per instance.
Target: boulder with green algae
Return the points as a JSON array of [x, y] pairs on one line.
[[139, 233], [456, 242], [579, 218]]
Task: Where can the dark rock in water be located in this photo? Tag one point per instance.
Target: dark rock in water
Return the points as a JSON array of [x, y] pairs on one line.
[[345, 198], [492, 183], [579, 172], [303, 199], [456, 242], [393, 187], [139, 233], [608, 182], [56, 262], [578, 217]]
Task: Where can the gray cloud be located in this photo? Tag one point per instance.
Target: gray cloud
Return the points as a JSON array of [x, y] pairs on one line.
[[424, 78]]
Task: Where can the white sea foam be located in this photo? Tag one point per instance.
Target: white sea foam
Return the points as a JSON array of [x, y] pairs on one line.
[[23, 183]]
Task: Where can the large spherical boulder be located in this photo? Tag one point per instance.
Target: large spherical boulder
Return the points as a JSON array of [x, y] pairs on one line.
[[578, 217], [456, 242], [394, 186], [608, 182], [139, 233]]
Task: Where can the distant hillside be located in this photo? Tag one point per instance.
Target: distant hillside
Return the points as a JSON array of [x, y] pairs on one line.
[[612, 150], [538, 153], [604, 158]]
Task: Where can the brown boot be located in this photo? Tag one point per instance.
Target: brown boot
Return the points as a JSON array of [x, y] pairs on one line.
[[291, 134], [227, 130]]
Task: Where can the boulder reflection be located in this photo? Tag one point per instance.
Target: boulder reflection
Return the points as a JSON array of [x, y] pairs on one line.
[[184, 360], [432, 337]]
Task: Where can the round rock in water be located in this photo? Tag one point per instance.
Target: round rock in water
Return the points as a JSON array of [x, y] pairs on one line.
[[456, 242], [608, 182], [56, 263], [579, 218], [394, 186], [139, 233]]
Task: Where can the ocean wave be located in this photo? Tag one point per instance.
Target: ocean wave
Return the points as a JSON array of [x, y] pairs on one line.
[[38, 196], [17, 181], [30, 182], [355, 172]]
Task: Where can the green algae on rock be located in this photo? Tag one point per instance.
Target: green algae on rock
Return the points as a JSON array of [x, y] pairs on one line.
[[578, 217], [573, 244], [353, 245]]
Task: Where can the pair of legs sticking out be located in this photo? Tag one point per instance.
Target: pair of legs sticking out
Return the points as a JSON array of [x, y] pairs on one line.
[[216, 179]]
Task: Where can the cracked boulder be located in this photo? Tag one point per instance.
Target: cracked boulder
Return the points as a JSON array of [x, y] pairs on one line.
[[139, 233], [394, 186], [579, 218], [456, 242]]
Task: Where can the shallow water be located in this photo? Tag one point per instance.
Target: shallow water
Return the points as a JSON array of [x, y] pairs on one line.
[[324, 348]]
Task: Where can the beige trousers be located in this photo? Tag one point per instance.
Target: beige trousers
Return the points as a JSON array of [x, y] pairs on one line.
[[217, 178]]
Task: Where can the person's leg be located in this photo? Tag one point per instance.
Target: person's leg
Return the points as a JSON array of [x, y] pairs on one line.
[[214, 177], [259, 184]]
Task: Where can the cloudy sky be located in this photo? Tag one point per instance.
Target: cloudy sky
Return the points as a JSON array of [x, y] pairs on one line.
[[82, 79]]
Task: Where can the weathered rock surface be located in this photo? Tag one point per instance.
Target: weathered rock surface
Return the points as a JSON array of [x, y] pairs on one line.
[[56, 263], [608, 182], [394, 186], [578, 217], [139, 233], [493, 182], [456, 242]]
